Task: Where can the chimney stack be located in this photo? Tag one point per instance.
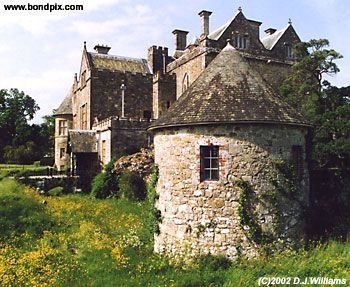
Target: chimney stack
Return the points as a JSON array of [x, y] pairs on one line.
[[205, 22], [270, 31], [180, 40], [101, 49]]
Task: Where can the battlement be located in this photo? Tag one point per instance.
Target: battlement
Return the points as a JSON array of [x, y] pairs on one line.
[[118, 122], [158, 58], [158, 49]]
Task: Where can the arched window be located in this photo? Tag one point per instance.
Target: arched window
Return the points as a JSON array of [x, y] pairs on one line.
[[185, 82]]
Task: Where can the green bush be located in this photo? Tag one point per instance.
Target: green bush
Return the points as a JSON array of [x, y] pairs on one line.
[[56, 191], [131, 186], [105, 184]]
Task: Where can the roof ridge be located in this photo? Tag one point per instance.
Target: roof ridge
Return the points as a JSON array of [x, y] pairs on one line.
[[117, 57]]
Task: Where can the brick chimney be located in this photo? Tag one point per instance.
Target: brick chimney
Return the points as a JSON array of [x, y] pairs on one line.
[[205, 22], [180, 39], [101, 49], [270, 31]]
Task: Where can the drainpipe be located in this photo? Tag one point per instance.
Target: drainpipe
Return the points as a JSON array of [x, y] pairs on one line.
[[123, 88]]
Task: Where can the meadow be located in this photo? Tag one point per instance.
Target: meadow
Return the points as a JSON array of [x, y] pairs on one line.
[[77, 240]]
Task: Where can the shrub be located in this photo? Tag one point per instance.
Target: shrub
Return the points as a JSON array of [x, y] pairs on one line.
[[56, 191], [105, 184], [131, 186]]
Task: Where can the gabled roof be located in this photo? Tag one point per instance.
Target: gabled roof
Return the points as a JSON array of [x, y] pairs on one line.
[[118, 63], [221, 30], [65, 107], [229, 91], [83, 141], [270, 41]]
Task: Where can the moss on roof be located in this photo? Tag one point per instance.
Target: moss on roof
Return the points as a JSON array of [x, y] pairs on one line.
[[117, 63]]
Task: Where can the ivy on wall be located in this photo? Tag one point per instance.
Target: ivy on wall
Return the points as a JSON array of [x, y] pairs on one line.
[[286, 184], [248, 219]]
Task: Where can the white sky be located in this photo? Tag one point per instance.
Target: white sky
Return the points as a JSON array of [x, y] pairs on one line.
[[40, 51]]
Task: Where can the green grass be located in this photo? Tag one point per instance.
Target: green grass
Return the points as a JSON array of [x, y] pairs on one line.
[[76, 240]]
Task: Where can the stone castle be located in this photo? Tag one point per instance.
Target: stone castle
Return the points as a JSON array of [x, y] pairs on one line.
[[223, 138]]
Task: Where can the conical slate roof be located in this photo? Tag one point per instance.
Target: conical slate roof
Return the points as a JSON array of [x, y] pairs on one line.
[[65, 107], [229, 91]]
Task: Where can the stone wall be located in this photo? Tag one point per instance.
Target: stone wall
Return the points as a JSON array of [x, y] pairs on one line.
[[81, 97], [190, 65], [164, 93], [106, 96], [61, 142], [118, 137], [272, 71], [128, 136], [202, 217]]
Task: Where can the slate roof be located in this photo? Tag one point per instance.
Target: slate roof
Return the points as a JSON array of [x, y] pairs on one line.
[[271, 40], [65, 107], [228, 91], [83, 141], [118, 63], [215, 35]]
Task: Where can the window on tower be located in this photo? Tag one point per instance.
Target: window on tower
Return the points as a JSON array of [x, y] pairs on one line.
[[209, 162]]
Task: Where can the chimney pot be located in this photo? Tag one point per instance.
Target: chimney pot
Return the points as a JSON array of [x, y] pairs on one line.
[[101, 49]]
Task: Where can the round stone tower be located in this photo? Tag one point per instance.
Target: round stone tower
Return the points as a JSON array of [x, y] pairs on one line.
[[233, 172]]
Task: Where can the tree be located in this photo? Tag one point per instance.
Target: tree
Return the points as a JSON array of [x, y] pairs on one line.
[[328, 109], [303, 88], [332, 129], [16, 109]]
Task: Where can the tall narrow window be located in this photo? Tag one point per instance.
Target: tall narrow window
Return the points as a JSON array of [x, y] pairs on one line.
[[83, 117], [209, 157], [62, 128], [185, 83], [83, 79], [62, 152], [289, 51], [297, 157]]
